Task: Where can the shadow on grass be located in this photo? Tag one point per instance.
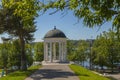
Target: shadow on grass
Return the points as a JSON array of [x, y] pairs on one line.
[[22, 73], [78, 74]]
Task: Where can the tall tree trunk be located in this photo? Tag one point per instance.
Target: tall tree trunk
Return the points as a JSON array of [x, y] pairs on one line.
[[23, 55]]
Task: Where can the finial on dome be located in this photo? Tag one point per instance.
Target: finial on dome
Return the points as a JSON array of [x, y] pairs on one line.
[[54, 27]]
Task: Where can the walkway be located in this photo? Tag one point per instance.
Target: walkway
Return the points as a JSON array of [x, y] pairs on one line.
[[53, 72], [116, 76]]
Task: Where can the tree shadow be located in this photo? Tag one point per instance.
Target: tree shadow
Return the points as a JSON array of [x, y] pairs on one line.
[[22, 73], [82, 75], [51, 74]]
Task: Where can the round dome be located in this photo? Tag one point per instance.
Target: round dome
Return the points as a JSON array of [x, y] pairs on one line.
[[55, 33]]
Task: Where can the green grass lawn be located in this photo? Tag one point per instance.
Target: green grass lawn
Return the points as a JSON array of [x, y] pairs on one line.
[[0, 70], [85, 74], [20, 75]]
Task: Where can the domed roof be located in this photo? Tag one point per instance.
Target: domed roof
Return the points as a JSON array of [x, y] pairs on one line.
[[55, 33]]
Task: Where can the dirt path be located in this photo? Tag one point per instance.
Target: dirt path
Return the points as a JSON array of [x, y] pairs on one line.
[[53, 72]]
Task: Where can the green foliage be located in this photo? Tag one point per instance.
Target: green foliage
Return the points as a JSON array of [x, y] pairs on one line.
[[93, 12], [21, 75], [14, 55], [70, 50], [0, 70], [29, 54], [10, 53], [25, 9], [38, 51], [106, 48], [82, 53], [85, 74], [100, 49], [17, 19], [4, 53], [77, 50]]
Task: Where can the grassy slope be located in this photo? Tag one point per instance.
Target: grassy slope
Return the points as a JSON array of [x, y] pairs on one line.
[[85, 74], [20, 75]]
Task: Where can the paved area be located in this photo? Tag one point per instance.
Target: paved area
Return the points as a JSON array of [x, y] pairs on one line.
[[116, 76], [53, 72]]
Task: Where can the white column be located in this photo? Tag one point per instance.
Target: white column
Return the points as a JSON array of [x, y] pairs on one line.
[[65, 51], [46, 56], [50, 51], [54, 51], [60, 51], [44, 51]]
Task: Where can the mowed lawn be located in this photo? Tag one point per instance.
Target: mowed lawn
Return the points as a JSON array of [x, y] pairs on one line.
[[85, 74], [0, 70], [21, 75]]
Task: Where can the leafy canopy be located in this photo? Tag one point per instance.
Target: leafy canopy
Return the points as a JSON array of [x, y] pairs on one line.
[[93, 12], [18, 20], [106, 48], [26, 9]]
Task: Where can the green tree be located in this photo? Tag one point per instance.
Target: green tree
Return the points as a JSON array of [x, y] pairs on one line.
[[107, 50], [10, 54], [113, 49], [77, 50], [71, 50], [14, 54], [4, 55], [29, 54], [82, 53], [18, 20], [100, 48], [93, 12], [38, 51]]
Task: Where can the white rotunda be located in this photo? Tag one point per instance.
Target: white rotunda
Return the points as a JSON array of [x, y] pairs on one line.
[[55, 46]]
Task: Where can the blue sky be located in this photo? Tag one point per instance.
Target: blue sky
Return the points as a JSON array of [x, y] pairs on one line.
[[67, 24]]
